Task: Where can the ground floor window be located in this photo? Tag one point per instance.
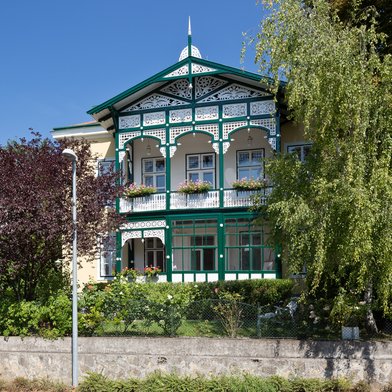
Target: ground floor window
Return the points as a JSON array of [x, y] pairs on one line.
[[154, 253], [108, 256], [246, 246], [194, 245]]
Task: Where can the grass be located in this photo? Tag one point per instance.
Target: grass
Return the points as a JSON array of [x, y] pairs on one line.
[[21, 384]]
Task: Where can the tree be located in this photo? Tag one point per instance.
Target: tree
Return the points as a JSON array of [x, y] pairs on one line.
[[333, 213], [35, 210], [351, 11]]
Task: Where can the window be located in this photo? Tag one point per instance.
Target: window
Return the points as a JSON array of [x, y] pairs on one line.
[[105, 166], [301, 150], [194, 245], [154, 253], [154, 173], [249, 164], [246, 246], [201, 167], [108, 256]]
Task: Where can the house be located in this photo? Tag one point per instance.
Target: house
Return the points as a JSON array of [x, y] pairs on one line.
[[194, 121]]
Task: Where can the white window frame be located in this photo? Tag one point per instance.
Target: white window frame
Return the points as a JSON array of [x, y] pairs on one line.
[[261, 165], [301, 146], [104, 260], [154, 173], [200, 170], [155, 249], [109, 161]]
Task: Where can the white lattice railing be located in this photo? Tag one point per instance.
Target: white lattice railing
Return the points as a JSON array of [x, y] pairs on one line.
[[195, 200], [153, 202], [235, 198]]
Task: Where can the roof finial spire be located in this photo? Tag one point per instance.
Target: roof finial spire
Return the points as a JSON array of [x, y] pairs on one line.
[[189, 26]]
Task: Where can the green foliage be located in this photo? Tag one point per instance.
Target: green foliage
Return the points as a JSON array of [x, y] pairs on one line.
[[333, 213], [161, 382]]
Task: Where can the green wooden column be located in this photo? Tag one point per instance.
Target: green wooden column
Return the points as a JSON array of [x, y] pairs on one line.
[[168, 248], [118, 251], [221, 247]]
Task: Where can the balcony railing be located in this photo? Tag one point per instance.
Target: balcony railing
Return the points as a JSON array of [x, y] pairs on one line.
[[181, 201], [154, 202], [236, 198]]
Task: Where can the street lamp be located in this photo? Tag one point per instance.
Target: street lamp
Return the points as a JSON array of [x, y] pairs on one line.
[[69, 154]]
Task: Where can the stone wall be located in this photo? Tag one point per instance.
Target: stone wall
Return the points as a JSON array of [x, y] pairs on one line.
[[133, 356]]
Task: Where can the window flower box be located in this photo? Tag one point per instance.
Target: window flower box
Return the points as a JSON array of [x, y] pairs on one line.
[[249, 185], [191, 187], [134, 190]]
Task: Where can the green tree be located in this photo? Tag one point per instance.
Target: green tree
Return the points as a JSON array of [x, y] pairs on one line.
[[333, 212]]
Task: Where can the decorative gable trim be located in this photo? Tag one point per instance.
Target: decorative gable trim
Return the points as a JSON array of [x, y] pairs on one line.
[[179, 88], [155, 101], [234, 91], [207, 84], [198, 68], [184, 70]]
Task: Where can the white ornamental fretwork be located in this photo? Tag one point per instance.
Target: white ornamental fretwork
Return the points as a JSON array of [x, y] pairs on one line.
[[231, 126], [272, 142], [179, 116], [184, 70], [177, 131], [155, 101], [206, 113], [197, 69], [234, 110], [225, 147], [262, 107], [210, 128], [129, 121], [179, 88], [143, 225], [207, 84], [163, 151], [124, 137], [127, 235], [160, 133], [172, 149], [234, 91], [156, 118], [155, 233], [268, 123]]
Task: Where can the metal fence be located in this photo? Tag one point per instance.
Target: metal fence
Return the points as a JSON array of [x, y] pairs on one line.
[[212, 318]]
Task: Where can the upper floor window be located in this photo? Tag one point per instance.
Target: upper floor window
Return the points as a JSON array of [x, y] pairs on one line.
[[105, 166], [301, 150], [154, 173], [201, 167], [108, 256], [249, 164]]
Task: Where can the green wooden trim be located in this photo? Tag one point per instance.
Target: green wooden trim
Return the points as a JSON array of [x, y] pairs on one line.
[[88, 125], [159, 78], [118, 251]]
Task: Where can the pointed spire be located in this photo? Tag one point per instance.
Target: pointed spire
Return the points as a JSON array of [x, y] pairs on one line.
[[189, 26]]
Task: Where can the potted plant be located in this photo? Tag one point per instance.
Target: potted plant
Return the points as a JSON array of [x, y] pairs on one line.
[[190, 187], [130, 274], [151, 272], [248, 185], [135, 190]]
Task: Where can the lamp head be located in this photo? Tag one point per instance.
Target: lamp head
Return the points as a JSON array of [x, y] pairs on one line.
[[69, 154]]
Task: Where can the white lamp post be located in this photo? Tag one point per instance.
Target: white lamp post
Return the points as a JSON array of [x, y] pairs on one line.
[[69, 154]]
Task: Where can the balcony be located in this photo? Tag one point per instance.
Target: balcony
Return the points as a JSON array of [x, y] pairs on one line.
[[181, 201]]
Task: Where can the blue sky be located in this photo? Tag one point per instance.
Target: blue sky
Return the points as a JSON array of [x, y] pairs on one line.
[[60, 58]]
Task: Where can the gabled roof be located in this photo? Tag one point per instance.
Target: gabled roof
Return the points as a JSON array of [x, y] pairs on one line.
[[102, 112]]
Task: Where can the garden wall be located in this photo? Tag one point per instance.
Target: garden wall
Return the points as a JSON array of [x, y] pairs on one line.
[[132, 356]]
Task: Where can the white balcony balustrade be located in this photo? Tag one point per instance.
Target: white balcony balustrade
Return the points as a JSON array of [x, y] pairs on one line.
[[154, 202], [180, 201], [237, 198]]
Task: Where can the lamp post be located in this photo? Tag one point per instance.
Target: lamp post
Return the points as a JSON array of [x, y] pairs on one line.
[[69, 154]]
